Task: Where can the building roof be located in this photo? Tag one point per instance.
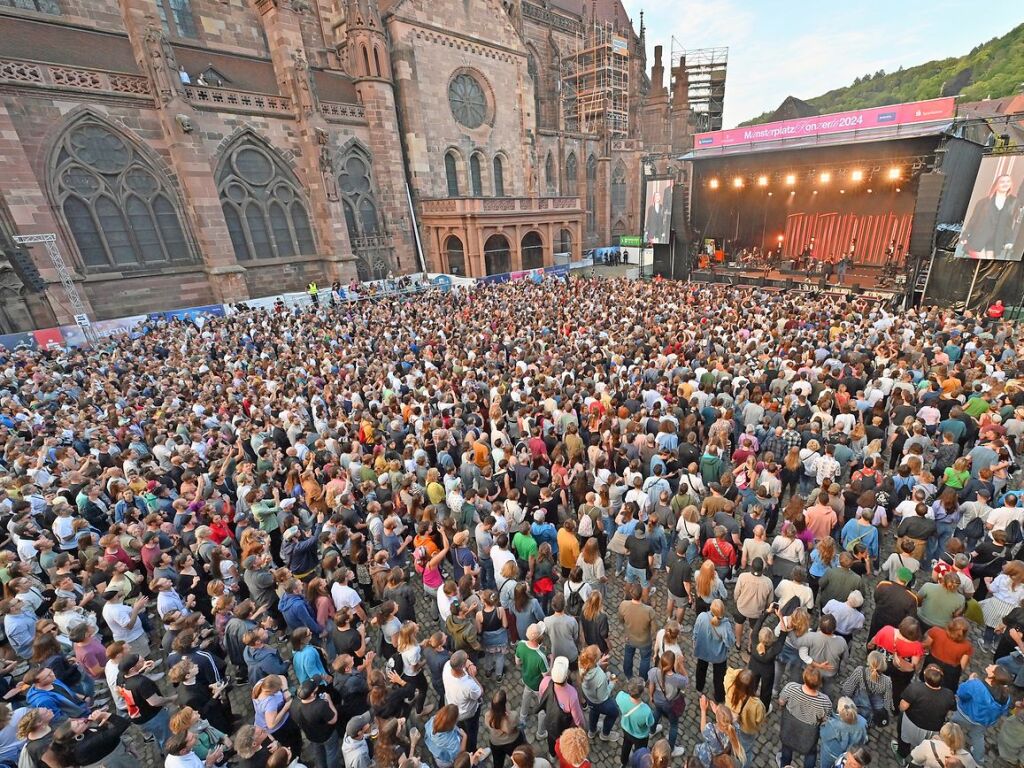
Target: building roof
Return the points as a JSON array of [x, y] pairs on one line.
[[605, 10], [42, 41]]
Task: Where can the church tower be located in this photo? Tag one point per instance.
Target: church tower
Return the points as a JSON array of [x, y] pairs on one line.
[[368, 61]]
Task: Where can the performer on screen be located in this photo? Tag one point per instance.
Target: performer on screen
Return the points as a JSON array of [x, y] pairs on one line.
[[657, 220], [995, 224]]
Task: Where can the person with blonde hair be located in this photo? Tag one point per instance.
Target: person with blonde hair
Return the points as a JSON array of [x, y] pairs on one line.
[[719, 737], [846, 728], [572, 749], [713, 636], [937, 752], [208, 738], [413, 664], [870, 688]]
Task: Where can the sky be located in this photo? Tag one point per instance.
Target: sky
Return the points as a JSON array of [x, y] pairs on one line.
[[807, 47]]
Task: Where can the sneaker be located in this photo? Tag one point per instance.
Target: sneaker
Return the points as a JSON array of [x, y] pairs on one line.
[[591, 735], [678, 751], [659, 728], [613, 736], [895, 747], [778, 759]]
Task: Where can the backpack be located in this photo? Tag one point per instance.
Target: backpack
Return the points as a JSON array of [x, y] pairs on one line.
[[574, 603], [1013, 533]]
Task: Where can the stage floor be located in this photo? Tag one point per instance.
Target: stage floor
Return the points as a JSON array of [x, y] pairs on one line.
[[868, 280]]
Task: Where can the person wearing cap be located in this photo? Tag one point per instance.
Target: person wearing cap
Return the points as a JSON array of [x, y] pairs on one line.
[[354, 749], [533, 663], [560, 701], [299, 549], [147, 708]]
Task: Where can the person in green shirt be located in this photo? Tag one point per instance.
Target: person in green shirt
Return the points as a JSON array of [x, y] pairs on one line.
[[976, 405], [526, 548], [956, 477], [533, 663], [636, 717], [941, 601]]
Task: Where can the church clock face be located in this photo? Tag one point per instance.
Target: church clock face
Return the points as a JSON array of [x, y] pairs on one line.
[[467, 100]]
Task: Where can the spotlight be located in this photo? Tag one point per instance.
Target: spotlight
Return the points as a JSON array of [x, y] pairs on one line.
[[842, 191], [857, 175], [770, 194], [762, 181], [825, 177], [898, 189], [779, 238], [894, 173], [870, 191], [790, 179], [738, 182], [713, 183], [815, 192]]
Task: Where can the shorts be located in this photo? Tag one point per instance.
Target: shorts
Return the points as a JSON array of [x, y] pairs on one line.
[[739, 618], [675, 601], [639, 575]]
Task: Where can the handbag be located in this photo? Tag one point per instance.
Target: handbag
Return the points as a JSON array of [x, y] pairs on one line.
[[618, 543], [781, 567]]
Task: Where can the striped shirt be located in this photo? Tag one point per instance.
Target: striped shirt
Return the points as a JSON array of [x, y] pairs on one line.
[[806, 708]]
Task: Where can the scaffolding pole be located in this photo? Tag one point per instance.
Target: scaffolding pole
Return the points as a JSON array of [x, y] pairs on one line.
[[67, 283], [595, 82]]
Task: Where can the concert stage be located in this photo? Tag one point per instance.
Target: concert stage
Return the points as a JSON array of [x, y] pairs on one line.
[[860, 280]]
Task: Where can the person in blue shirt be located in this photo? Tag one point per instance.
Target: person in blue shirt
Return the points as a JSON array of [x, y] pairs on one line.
[[841, 732], [980, 703], [860, 528], [296, 610], [713, 636], [306, 659], [544, 532], [48, 692], [19, 626]]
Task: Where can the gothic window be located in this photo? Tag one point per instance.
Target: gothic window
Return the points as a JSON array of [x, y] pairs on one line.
[[42, 6], [619, 189], [475, 182], [176, 18], [467, 100], [591, 193], [499, 176], [263, 204], [570, 176], [533, 72], [451, 172], [119, 209], [358, 196], [549, 175]]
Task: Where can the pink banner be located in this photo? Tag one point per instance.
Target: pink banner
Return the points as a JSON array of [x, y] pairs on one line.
[[839, 122]]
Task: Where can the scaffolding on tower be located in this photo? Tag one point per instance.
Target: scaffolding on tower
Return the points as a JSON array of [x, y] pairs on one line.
[[595, 82], [705, 70]]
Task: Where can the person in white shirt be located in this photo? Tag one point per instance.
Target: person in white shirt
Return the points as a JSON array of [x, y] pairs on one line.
[[999, 518], [180, 755], [462, 689], [124, 622], [344, 596], [794, 587], [445, 595]]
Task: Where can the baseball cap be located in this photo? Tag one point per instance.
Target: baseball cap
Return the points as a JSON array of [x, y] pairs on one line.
[[128, 661], [560, 669], [356, 724]]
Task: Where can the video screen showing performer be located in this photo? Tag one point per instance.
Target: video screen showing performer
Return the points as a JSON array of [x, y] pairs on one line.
[[993, 229], [658, 222]]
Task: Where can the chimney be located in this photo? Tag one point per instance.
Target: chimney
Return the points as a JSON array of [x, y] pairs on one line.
[[657, 73]]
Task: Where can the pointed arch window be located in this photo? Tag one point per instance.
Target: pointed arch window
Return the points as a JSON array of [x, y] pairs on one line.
[[570, 176], [263, 204], [451, 172], [118, 206], [359, 198], [591, 194], [475, 180], [549, 175], [619, 189], [499, 176]]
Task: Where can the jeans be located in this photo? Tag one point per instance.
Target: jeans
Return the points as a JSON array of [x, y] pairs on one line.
[[627, 660], [1014, 664], [638, 575], [528, 705], [870, 702], [471, 725], [810, 760], [606, 708], [487, 574], [937, 544], [665, 710], [325, 755], [748, 741], [159, 726], [975, 734]]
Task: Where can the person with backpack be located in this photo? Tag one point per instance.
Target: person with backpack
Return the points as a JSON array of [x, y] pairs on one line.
[[577, 590], [560, 702], [562, 631]]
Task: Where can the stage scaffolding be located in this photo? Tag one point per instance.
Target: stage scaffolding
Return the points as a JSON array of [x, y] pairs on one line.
[[705, 72], [595, 82]]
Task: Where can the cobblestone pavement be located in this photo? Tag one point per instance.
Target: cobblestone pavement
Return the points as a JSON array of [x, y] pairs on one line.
[[604, 754]]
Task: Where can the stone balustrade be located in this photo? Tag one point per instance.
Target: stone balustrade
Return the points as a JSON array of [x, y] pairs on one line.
[[53, 76]]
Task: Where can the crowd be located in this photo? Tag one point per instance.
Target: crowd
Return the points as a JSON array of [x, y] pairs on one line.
[[500, 526]]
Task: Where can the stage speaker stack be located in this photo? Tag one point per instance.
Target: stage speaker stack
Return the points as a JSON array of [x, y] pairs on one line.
[[926, 212]]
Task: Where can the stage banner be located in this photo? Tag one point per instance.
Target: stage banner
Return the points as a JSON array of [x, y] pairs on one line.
[[838, 122], [631, 241], [994, 229], [658, 221]]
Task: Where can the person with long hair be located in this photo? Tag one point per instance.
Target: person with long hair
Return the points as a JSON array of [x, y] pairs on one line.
[[1006, 592], [271, 701], [525, 608], [208, 738], [594, 622], [713, 636], [993, 228], [707, 587], [719, 737], [903, 644], [504, 730], [413, 665], [592, 564], [492, 628], [597, 687], [747, 709], [307, 660], [870, 688], [950, 649], [665, 685], [443, 737], [573, 749]]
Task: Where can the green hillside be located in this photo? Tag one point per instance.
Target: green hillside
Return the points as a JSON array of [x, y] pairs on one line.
[[991, 70]]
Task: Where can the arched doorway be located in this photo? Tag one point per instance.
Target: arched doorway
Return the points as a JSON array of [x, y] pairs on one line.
[[456, 256], [532, 251], [565, 242], [497, 255]]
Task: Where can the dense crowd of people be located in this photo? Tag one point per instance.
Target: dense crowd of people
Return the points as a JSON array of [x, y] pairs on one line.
[[326, 535]]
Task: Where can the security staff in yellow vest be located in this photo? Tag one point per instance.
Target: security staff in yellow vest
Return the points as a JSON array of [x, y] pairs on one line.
[[312, 290]]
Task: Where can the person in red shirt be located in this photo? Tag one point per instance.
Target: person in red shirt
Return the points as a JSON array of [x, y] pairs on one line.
[[996, 310], [721, 552], [905, 649], [573, 748]]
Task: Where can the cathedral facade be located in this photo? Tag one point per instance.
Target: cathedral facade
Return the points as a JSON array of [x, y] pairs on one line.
[[187, 152]]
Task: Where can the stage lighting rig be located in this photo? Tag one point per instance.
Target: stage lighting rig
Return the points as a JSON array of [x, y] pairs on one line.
[[856, 175], [825, 177], [762, 181], [738, 182], [790, 179], [713, 183], [895, 173]]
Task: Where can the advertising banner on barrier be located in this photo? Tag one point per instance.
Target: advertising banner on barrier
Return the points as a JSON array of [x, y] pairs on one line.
[[838, 122]]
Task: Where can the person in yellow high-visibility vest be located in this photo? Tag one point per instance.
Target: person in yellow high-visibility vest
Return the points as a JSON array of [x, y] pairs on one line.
[[312, 290]]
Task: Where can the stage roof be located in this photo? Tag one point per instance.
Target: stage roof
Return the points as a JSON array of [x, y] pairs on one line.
[[870, 136]]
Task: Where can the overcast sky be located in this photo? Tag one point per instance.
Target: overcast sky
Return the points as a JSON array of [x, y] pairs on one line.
[[805, 48]]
